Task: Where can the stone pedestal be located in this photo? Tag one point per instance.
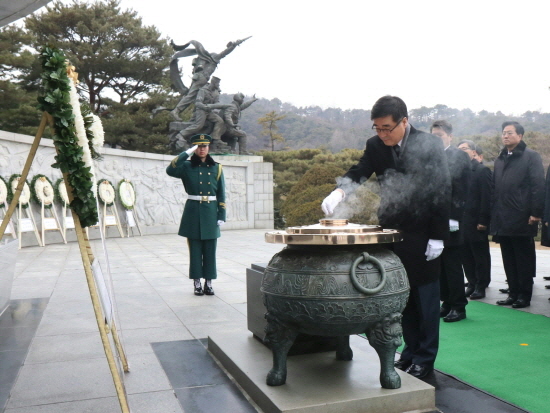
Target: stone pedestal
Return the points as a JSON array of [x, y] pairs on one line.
[[318, 383], [255, 311]]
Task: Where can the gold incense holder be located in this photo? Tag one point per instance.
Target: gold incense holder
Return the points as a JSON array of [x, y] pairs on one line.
[[334, 232]]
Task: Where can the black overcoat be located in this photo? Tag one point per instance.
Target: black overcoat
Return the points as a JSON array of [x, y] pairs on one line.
[[518, 192], [415, 196], [460, 170], [545, 237], [478, 203]]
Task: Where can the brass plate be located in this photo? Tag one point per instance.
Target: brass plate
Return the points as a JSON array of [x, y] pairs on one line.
[[334, 238], [329, 229]]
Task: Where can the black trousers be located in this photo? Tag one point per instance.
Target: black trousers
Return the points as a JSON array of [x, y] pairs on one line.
[[520, 265], [421, 325], [476, 261], [452, 279]]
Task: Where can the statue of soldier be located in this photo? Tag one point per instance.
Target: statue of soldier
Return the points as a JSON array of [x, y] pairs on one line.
[[204, 66], [207, 98], [231, 115]]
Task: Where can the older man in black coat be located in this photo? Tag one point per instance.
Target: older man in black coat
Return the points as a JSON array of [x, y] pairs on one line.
[[412, 171], [518, 203], [476, 256]]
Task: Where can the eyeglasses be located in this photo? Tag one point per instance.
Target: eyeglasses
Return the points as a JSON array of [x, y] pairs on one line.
[[385, 130]]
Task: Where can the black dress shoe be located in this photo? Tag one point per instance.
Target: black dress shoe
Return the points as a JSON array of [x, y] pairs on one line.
[[402, 364], [199, 291], [208, 290], [419, 371], [455, 315], [521, 303], [443, 311], [469, 290], [477, 294], [509, 301], [504, 290], [547, 286], [546, 278]]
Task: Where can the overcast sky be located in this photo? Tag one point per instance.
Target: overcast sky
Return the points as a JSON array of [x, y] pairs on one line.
[[484, 54]]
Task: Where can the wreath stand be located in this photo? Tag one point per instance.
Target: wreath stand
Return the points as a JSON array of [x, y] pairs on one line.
[[132, 221], [68, 222], [27, 223], [87, 259], [111, 219], [50, 223], [10, 229]]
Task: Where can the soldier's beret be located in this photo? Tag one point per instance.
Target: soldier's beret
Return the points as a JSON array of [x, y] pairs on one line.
[[201, 139]]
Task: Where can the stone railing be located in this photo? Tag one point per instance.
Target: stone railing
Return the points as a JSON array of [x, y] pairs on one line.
[[160, 198]]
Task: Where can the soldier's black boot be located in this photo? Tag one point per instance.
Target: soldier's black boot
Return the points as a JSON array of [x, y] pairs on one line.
[[198, 288], [208, 290]]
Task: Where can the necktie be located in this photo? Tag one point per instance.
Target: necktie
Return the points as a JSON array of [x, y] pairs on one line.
[[396, 148]]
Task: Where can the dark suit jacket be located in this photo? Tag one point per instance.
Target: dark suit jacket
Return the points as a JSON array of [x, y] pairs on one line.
[[545, 237], [459, 168], [478, 203], [415, 196]]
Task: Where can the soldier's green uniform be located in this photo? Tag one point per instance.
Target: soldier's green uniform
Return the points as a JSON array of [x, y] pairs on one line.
[[205, 186]]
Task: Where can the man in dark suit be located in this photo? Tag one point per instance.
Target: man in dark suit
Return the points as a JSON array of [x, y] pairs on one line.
[[451, 281], [476, 256], [545, 236], [415, 189], [518, 202]]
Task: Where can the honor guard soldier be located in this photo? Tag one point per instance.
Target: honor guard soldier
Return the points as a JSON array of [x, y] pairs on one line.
[[204, 211]]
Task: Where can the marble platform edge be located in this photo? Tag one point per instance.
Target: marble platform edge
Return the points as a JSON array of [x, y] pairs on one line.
[[239, 353]]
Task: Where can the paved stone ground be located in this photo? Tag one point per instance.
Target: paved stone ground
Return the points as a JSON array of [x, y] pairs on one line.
[[65, 369]]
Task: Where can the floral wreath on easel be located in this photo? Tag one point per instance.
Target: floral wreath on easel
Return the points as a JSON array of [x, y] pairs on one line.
[[3, 192], [42, 191], [127, 194], [60, 191], [106, 192], [72, 138], [25, 196]]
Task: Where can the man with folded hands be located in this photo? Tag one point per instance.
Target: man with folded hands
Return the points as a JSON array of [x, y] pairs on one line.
[[204, 210], [517, 208]]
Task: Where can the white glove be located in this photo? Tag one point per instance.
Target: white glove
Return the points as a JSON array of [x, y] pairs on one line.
[[220, 223], [434, 250], [453, 225], [191, 150], [331, 201]]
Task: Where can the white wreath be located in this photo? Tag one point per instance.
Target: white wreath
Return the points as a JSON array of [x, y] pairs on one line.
[[25, 193], [44, 190], [63, 193], [81, 133], [97, 132], [127, 194], [106, 192], [3, 192]]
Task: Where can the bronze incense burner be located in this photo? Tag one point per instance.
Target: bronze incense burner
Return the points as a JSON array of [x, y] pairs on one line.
[[335, 279]]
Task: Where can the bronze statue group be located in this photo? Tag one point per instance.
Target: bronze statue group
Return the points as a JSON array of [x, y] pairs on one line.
[[219, 121]]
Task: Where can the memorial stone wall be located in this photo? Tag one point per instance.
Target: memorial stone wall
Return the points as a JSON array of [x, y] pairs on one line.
[[159, 198]]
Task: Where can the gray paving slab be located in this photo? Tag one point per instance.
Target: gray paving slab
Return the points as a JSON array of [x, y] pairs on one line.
[[105, 404], [62, 382]]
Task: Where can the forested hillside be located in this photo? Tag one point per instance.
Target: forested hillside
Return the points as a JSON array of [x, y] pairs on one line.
[[335, 129]]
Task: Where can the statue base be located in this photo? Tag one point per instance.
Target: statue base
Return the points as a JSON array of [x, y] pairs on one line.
[[318, 382]]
